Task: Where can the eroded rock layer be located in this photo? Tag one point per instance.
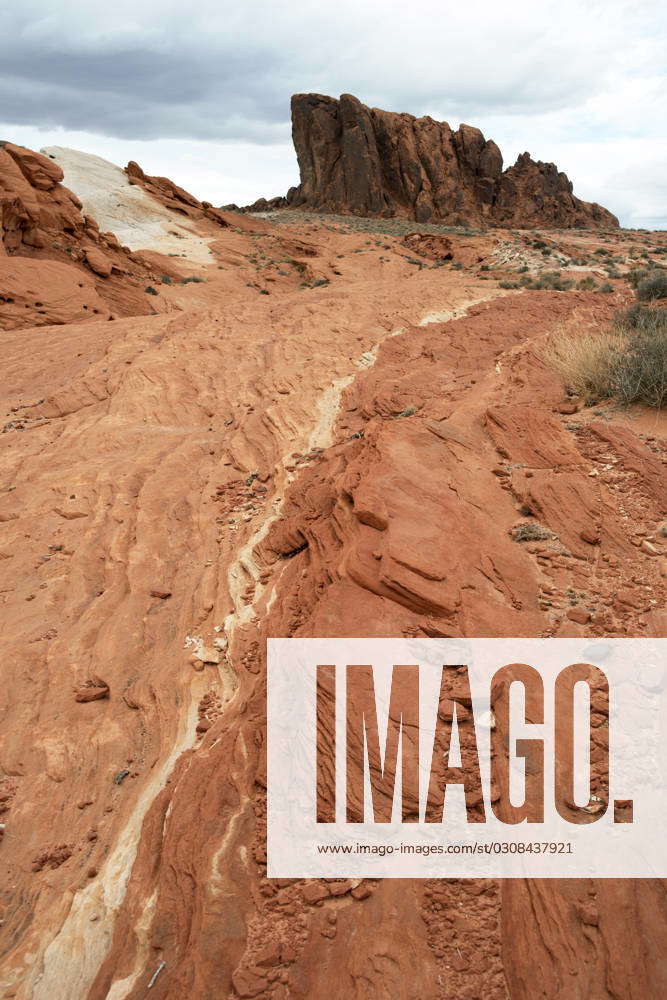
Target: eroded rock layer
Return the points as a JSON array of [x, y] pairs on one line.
[[55, 264], [369, 162], [335, 434]]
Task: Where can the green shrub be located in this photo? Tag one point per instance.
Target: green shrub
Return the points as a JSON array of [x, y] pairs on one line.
[[653, 286], [627, 361], [553, 281], [637, 274]]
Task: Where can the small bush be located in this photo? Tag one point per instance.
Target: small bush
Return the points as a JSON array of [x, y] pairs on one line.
[[637, 274], [165, 279], [606, 287], [192, 278], [531, 532], [551, 281], [627, 361], [653, 286]]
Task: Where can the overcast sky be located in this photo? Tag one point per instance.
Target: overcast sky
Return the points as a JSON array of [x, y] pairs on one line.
[[200, 92]]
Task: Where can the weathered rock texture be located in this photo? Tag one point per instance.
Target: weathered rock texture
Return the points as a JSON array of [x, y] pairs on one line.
[[360, 160], [348, 453], [55, 264], [174, 197]]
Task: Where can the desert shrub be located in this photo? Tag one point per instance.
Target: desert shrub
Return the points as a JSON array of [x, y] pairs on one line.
[[637, 274], [642, 374], [653, 286], [627, 361], [192, 278], [165, 279], [606, 287], [531, 531], [587, 284], [508, 284], [585, 360], [552, 281]]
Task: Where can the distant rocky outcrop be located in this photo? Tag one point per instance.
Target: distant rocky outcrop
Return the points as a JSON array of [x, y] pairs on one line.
[[363, 161], [174, 197]]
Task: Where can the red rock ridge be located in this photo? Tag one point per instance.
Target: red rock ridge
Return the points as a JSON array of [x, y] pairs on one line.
[[363, 161], [174, 197]]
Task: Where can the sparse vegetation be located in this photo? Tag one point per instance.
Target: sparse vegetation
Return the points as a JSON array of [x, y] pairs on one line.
[[653, 286], [627, 361], [531, 531]]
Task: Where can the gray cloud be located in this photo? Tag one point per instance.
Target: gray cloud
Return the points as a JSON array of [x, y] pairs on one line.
[[223, 72], [160, 71]]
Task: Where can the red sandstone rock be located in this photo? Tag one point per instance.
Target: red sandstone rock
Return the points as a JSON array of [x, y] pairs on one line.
[[55, 261], [98, 263], [369, 162], [174, 197], [132, 457]]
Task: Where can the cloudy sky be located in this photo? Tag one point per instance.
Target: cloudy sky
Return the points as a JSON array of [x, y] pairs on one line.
[[200, 92]]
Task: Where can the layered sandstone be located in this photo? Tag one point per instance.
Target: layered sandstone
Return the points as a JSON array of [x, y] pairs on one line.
[[55, 264], [335, 436], [174, 197], [363, 161]]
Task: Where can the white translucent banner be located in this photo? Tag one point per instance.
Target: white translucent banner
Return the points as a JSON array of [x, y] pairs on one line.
[[560, 775]]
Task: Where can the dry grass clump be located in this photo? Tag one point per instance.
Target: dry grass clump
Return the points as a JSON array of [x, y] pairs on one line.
[[627, 361], [531, 532], [653, 286]]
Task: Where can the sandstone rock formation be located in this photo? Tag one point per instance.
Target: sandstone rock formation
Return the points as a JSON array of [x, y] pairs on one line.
[[335, 435], [363, 161], [174, 197], [55, 264]]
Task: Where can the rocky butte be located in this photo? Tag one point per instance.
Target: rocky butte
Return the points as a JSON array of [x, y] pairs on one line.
[[363, 161]]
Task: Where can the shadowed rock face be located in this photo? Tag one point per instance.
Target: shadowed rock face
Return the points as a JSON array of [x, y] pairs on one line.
[[368, 162]]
